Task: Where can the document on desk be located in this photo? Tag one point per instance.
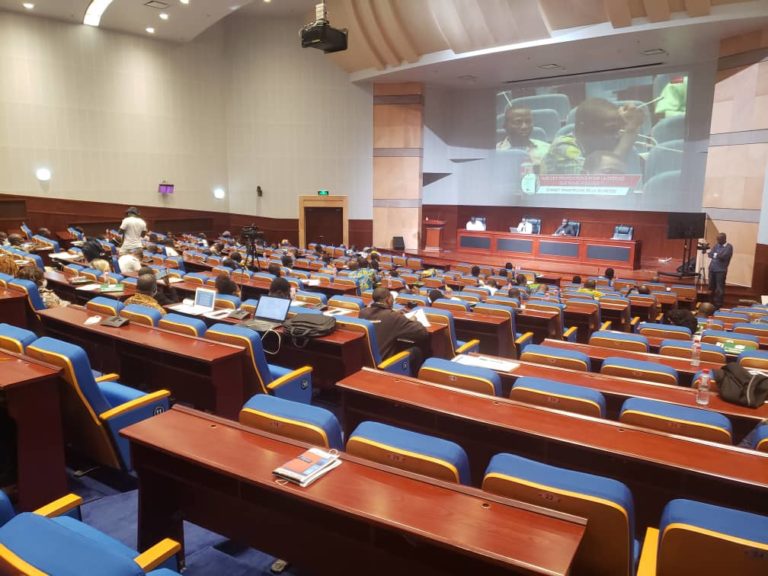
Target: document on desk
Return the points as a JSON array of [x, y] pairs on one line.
[[312, 282], [89, 287], [484, 362], [419, 316]]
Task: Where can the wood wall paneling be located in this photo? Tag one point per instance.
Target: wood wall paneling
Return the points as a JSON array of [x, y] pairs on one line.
[[397, 125], [397, 177]]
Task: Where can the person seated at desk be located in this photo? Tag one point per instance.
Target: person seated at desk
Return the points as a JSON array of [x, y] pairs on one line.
[[518, 124], [565, 229], [4, 239], [225, 285], [15, 240], [146, 290], [280, 288], [475, 224], [166, 294], [391, 326], [8, 265], [50, 299], [681, 317], [275, 269], [130, 262], [590, 288], [525, 227]]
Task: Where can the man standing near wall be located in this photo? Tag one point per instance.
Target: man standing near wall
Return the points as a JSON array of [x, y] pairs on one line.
[[720, 254]]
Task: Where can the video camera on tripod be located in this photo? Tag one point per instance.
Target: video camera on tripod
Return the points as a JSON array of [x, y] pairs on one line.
[[250, 234], [253, 238]]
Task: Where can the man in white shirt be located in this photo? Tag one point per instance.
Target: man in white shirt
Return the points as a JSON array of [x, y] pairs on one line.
[[133, 229], [475, 224], [525, 227], [131, 262]]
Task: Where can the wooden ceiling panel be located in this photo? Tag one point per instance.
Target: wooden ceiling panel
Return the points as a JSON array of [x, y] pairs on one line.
[[696, 8], [562, 15], [619, 13], [657, 10]]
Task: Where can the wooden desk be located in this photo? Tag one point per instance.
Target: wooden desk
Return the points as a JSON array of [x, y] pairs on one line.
[[599, 353], [585, 317], [542, 324], [13, 307], [360, 517], [60, 284], [206, 374], [494, 332], [30, 393], [656, 466]]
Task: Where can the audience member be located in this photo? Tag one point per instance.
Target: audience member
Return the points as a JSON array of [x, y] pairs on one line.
[[590, 287], [610, 273], [518, 124], [166, 293], [525, 227], [280, 288], [720, 255], [49, 297], [4, 238], [15, 240], [146, 292], [225, 285], [44, 232], [274, 269], [434, 295], [576, 279], [133, 229], [682, 317], [8, 264], [130, 262], [475, 271], [565, 229]]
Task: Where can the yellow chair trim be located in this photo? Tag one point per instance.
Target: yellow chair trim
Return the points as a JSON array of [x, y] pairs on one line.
[[276, 383], [564, 396], [679, 420], [363, 330], [562, 492], [394, 359], [19, 563], [185, 327], [136, 403], [714, 534], [415, 455], [524, 357], [467, 346], [623, 344], [605, 325], [491, 388], [571, 330], [246, 343], [136, 316], [763, 442], [523, 337], [300, 423], [159, 553], [641, 371], [649, 553], [103, 308], [60, 506], [16, 344], [112, 376]]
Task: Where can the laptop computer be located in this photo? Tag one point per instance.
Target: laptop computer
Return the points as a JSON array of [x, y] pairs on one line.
[[270, 313], [205, 300]]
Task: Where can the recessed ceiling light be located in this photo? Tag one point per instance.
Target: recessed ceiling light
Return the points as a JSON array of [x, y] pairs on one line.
[[94, 12], [219, 193], [164, 16], [184, 1], [550, 67], [267, 1], [654, 51], [150, 30], [28, 5]]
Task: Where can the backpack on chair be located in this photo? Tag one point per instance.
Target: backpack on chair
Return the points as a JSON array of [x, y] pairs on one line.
[[303, 327], [741, 386]]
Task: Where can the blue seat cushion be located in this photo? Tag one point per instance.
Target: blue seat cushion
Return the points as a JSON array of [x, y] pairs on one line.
[[677, 412], [195, 323], [640, 365], [561, 389], [611, 335], [408, 441], [666, 327], [688, 344], [22, 335], [761, 438], [117, 394], [727, 521]]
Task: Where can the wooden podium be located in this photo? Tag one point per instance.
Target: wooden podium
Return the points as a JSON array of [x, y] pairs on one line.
[[434, 234]]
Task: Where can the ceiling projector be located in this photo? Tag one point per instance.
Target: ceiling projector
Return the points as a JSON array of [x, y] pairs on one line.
[[321, 35]]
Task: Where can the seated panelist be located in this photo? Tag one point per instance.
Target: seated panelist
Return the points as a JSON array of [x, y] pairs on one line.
[[525, 227], [565, 229]]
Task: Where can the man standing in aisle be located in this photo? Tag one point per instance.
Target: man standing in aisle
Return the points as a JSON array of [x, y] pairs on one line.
[[720, 254], [133, 229]]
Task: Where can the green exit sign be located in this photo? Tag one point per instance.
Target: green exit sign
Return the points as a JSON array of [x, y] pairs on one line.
[[323, 193]]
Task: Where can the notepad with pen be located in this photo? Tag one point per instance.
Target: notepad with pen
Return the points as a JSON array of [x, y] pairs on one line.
[[308, 466]]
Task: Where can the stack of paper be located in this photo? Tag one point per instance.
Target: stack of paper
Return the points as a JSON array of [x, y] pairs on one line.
[[308, 467], [484, 362]]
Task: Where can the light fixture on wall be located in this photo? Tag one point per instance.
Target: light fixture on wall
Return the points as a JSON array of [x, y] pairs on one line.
[[94, 12], [219, 193], [28, 5], [43, 174]]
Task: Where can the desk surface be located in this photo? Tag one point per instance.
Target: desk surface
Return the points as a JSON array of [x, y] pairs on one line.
[[460, 520]]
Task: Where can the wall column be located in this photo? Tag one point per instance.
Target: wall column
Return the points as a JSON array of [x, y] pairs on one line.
[[398, 117]]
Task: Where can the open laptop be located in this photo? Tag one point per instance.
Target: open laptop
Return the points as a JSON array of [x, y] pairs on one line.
[[270, 313], [205, 300]]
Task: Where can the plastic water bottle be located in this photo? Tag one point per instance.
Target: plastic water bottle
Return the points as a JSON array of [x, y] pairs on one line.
[[702, 391], [696, 353]]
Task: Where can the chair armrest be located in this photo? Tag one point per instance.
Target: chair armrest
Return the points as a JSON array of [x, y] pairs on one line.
[[159, 553], [649, 553], [296, 385], [112, 377], [468, 346], [606, 325], [134, 404], [570, 334], [399, 363], [60, 506], [660, 317], [635, 321], [522, 341]]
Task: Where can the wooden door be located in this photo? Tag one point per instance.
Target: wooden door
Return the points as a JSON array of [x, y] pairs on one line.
[[324, 225]]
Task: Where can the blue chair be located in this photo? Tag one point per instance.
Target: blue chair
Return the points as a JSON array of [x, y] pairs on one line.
[[731, 316], [28, 234], [754, 328], [548, 120], [559, 395], [54, 540], [623, 232], [295, 420], [569, 334], [503, 300], [677, 419], [560, 357], [455, 375], [684, 349], [558, 102], [47, 242], [722, 336], [196, 277], [707, 540], [445, 318], [608, 547], [453, 305], [315, 298], [410, 451], [760, 439], [399, 363], [663, 184], [670, 331], [15, 339], [228, 301], [262, 377], [104, 305], [416, 299], [141, 314], [639, 369], [619, 340], [754, 359], [347, 302], [182, 324], [95, 411], [522, 339], [29, 288]]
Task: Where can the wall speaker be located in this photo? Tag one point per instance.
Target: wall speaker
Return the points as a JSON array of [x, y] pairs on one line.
[[398, 243]]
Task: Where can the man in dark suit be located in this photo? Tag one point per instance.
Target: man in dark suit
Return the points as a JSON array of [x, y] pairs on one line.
[[565, 229], [721, 255]]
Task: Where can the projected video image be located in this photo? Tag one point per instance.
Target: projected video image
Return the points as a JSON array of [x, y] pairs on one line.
[[619, 137]]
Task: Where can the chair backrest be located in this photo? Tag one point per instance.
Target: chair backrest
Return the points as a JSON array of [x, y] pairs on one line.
[[619, 340], [474, 378], [30, 289], [15, 339], [677, 419], [559, 395], [182, 325], [443, 318], [754, 359], [561, 357], [257, 373], [504, 300], [415, 298], [228, 301], [410, 451], [639, 369], [684, 349], [655, 330], [715, 336], [450, 304], [296, 420], [623, 232], [105, 305], [347, 302], [141, 314], [316, 298], [754, 328], [608, 545], [81, 400], [372, 357]]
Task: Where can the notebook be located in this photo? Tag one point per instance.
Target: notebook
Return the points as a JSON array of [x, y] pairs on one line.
[[205, 300], [270, 313], [308, 466]]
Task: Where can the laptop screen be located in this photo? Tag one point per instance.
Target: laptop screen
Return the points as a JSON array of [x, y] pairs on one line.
[[271, 308], [205, 298]]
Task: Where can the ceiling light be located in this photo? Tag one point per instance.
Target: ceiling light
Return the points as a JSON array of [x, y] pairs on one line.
[[550, 67], [94, 12], [150, 30], [267, 1], [219, 193], [28, 5], [43, 174], [163, 16], [184, 1], [654, 52]]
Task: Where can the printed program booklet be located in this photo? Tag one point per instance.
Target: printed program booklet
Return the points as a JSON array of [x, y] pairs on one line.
[[308, 467]]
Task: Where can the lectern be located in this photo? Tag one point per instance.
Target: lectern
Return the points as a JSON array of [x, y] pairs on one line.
[[434, 234]]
